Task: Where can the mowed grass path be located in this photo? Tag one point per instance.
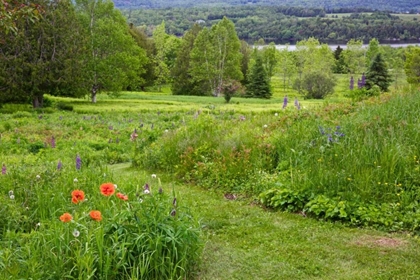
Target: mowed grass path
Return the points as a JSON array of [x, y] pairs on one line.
[[244, 241]]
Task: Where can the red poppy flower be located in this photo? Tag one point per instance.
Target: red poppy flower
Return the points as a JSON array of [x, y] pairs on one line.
[[121, 196], [66, 217], [95, 215], [107, 189], [77, 196]]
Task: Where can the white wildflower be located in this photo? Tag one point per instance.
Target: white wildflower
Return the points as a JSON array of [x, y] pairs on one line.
[[12, 196], [153, 176], [76, 233], [38, 177], [75, 180]]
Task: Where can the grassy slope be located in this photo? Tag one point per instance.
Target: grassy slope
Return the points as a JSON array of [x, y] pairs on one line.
[[245, 241], [154, 101]]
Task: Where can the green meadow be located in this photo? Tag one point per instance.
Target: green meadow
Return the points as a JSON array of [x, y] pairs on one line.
[[148, 185]]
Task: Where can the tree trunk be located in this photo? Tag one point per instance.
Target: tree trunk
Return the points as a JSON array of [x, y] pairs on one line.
[[93, 93], [38, 101]]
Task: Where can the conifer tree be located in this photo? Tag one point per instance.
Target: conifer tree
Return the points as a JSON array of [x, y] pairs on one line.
[[258, 81], [377, 74]]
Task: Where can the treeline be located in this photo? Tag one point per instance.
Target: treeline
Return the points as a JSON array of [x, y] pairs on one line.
[[282, 24], [345, 6], [82, 48]]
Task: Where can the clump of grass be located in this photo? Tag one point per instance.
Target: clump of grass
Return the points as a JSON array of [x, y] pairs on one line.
[[129, 231]]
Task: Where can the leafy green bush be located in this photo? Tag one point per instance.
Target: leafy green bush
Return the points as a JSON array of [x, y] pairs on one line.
[[64, 106]]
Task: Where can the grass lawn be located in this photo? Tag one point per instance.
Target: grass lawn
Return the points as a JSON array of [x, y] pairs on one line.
[[245, 241]]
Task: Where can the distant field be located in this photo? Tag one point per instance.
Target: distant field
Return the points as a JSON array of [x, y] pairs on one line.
[[407, 17]]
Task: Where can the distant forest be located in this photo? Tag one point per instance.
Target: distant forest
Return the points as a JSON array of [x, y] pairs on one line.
[[403, 6], [285, 24]]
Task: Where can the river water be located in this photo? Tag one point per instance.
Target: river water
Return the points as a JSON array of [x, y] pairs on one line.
[[343, 46]]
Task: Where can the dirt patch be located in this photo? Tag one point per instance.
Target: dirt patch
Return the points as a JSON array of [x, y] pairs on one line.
[[375, 241]]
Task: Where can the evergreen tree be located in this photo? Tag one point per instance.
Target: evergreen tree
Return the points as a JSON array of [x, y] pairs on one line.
[[377, 74], [258, 81]]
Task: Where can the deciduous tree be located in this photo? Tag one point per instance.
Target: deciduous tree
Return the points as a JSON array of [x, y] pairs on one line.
[[113, 60], [412, 66], [216, 56]]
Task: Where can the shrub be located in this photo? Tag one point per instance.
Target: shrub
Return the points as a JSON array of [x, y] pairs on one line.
[[64, 106], [317, 85]]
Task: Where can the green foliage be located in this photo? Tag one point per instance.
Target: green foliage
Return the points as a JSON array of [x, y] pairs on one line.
[[284, 24], [412, 66], [183, 83], [363, 93], [113, 61], [294, 7], [258, 81], [64, 106], [354, 56], [391, 216], [316, 85], [215, 56], [35, 59], [340, 66], [377, 74], [372, 51]]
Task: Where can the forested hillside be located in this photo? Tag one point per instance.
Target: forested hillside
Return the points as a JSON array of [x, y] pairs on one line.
[[396, 5], [283, 24]]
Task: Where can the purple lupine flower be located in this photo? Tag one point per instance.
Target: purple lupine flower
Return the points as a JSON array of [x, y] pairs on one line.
[[363, 81], [285, 100], [61, 117], [78, 162], [297, 104], [160, 190], [117, 140], [330, 139], [359, 84], [173, 212], [174, 202], [351, 83], [3, 169], [242, 118], [111, 127], [52, 142], [59, 165], [321, 130]]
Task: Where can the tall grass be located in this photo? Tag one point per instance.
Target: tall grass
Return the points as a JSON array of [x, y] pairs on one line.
[[359, 152], [146, 236]]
